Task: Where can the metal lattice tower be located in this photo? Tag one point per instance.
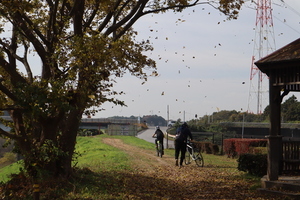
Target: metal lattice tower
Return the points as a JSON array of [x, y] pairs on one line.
[[264, 44]]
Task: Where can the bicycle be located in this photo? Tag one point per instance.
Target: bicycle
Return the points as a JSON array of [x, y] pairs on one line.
[[159, 149], [193, 154]]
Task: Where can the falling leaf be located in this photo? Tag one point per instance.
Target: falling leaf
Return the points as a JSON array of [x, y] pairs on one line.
[[154, 73], [163, 93]]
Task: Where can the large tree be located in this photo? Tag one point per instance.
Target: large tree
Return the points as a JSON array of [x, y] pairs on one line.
[[60, 58]]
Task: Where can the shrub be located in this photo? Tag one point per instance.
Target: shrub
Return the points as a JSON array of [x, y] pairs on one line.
[[229, 147], [254, 164], [237, 146], [207, 147], [258, 150]]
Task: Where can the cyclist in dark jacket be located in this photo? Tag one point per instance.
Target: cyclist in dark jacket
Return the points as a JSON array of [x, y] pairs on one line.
[[182, 135], [159, 135]]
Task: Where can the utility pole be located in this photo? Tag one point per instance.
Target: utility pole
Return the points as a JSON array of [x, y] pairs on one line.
[[168, 113]]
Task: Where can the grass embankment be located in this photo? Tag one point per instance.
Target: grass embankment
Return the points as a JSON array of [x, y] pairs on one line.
[[134, 172]]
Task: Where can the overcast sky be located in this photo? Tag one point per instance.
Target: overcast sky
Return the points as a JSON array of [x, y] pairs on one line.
[[203, 62]]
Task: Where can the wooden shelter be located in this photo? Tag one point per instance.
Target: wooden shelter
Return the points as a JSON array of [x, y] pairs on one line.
[[283, 69]]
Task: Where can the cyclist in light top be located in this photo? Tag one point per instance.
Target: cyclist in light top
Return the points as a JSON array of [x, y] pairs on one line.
[[159, 135]]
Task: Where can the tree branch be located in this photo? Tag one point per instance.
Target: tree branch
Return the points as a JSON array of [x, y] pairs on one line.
[[174, 7], [9, 135], [12, 72], [137, 15], [92, 16], [28, 33], [7, 92], [108, 16], [126, 18]]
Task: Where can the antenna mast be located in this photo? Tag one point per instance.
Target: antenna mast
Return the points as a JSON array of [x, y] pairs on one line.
[[264, 44]]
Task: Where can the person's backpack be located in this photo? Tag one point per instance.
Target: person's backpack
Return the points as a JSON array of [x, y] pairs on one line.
[[179, 135], [159, 134]]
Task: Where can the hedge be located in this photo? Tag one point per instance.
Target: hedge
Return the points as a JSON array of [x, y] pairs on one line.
[[253, 164], [236, 146], [207, 147]]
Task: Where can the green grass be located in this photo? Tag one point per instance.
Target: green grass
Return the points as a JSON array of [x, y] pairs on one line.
[[101, 169], [6, 171], [97, 156], [136, 142], [219, 161], [93, 154]]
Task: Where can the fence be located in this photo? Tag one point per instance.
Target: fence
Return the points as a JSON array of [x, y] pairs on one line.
[[290, 147], [129, 130], [217, 138], [290, 156]]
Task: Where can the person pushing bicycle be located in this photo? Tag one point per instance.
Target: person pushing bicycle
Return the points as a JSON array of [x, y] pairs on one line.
[[182, 135], [159, 135]]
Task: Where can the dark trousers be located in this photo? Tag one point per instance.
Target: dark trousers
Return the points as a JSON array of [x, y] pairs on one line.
[[180, 148]]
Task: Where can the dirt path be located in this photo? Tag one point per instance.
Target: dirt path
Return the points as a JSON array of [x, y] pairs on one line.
[[159, 178]]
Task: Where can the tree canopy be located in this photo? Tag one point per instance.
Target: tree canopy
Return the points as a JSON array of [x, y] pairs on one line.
[[59, 59]]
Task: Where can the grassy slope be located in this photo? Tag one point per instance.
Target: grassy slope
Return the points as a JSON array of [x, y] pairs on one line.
[[104, 166]]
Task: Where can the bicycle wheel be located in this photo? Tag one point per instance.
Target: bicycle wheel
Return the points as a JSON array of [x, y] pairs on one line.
[[159, 151], [199, 159], [187, 159]]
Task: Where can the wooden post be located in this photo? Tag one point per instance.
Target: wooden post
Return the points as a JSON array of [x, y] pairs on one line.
[[36, 191], [274, 139]]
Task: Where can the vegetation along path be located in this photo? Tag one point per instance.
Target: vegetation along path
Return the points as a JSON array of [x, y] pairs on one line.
[[153, 177]]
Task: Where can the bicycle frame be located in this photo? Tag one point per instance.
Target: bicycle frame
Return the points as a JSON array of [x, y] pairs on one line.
[[159, 148], [196, 156], [188, 148]]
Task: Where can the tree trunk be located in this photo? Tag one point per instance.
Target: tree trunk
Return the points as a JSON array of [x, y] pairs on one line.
[[68, 141]]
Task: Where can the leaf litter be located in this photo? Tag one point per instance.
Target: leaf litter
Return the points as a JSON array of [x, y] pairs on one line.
[[158, 178]]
